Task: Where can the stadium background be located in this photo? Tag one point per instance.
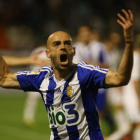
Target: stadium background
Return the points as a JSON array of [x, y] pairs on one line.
[[26, 24]]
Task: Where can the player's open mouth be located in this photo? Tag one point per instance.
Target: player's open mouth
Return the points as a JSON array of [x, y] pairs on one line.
[[64, 59]]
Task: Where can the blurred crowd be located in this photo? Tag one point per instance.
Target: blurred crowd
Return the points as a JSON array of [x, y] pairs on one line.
[[28, 23]]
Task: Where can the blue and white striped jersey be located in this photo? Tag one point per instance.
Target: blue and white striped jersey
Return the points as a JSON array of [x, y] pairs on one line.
[[95, 51], [70, 103]]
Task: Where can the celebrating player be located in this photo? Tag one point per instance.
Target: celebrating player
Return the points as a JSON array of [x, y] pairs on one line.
[[69, 90]]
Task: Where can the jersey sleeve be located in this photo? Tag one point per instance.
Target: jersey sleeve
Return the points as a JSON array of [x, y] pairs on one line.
[[31, 80], [91, 76]]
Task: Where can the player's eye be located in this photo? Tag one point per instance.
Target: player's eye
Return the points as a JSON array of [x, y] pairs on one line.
[[56, 44], [67, 43]]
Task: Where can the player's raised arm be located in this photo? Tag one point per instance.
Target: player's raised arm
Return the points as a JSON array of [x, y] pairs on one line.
[[7, 79], [123, 75], [31, 60]]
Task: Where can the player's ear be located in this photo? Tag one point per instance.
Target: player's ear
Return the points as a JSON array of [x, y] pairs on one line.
[[48, 53]]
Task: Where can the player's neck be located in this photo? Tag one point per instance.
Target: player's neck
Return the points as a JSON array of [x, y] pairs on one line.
[[62, 74]]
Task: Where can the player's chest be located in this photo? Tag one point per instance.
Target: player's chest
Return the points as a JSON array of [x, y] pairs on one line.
[[62, 105], [62, 94]]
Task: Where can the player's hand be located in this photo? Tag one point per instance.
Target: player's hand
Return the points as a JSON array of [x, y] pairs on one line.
[[127, 23], [35, 60]]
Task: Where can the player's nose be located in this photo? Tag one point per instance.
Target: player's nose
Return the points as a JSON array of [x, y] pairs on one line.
[[62, 46]]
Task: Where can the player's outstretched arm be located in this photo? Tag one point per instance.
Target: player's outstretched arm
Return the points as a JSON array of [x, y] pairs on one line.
[[7, 79], [122, 77], [16, 61], [31, 60]]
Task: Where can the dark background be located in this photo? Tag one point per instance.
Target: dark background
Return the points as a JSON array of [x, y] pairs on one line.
[[28, 23]]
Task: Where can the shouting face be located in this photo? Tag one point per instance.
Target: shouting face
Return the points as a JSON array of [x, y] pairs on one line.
[[60, 50]]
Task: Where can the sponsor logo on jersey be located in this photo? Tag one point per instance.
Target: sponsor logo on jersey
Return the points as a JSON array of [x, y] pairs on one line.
[[69, 91], [58, 91], [35, 71], [68, 115]]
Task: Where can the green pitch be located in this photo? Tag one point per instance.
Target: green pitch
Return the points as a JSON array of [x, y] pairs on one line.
[[12, 126]]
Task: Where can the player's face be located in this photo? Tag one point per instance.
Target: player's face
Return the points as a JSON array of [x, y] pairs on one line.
[[115, 37], [60, 50], [84, 34]]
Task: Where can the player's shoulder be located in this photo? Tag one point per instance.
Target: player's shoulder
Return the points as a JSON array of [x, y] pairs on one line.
[[42, 54], [78, 44], [47, 68], [42, 71], [40, 48], [136, 55], [97, 44], [85, 66], [86, 72]]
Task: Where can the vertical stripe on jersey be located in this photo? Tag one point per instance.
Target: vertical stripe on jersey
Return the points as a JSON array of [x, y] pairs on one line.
[[91, 113], [55, 133], [50, 92], [50, 97], [72, 130], [101, 56]]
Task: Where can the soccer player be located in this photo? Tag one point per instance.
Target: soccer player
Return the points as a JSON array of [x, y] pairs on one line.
[[131, 101], [115, 99], [131, 94], [86, 46], [69, 90]]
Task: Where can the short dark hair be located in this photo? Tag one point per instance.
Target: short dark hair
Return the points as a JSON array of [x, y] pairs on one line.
[[84, 25]]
